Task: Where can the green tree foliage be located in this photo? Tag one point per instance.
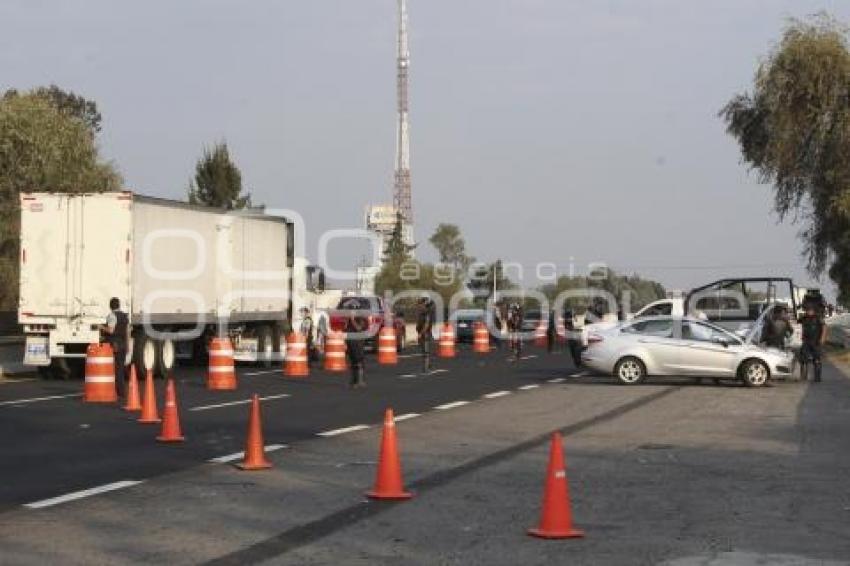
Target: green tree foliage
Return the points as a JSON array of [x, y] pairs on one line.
[[481, 282], [451, 246], [218, 181], [42, 148], [640, 291], [68, 103], [399, 271], [794, 132]]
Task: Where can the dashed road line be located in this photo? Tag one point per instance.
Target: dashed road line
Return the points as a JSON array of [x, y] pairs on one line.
[[406, 417], [557, 380], [264, 372], [438, 371], [240, 402], [451, 405], [338, 431], [408, 375], [238, 455], [39, 399], [81, 494], [496, 394], [529, 357], [527, 387]]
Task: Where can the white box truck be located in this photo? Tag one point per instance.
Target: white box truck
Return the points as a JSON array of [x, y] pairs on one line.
[[183, 273]]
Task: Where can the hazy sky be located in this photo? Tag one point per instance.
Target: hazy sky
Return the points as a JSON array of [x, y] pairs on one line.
[[547, 129]]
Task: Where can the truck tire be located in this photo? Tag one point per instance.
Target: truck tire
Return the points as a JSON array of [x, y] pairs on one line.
[[143, 343], [164, 358]]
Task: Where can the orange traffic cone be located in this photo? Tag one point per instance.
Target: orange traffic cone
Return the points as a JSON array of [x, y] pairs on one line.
[[150, 414], [170, 417], [255, 450], [556, 519], [388, 481], [134, 403]]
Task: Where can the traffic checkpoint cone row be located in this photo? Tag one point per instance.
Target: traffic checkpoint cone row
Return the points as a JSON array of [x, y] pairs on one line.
[[100, 375], [388, 479], [221, 375], [480, 339], [335, 352], [150, 413], [255, 449], [170, 417], [446, 345], [134, 402], [540, 334], [295, 364], [387, 351], [556, 517]]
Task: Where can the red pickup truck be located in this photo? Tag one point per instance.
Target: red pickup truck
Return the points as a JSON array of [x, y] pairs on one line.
[[375, 310]]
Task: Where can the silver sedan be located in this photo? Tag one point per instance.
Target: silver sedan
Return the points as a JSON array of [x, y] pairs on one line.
[[666, 345]]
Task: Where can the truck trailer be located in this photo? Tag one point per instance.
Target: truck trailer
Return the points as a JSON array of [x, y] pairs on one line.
[[183, 273]]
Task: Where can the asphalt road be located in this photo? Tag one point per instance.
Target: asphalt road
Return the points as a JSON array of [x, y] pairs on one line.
[[55, 444], [663, 473]]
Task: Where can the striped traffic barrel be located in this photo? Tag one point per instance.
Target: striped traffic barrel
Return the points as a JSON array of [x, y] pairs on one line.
[[295, 364], [335, 352], [100, 375], [446, 345], [221, 375]]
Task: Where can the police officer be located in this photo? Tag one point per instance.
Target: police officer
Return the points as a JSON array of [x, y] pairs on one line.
[[515, 318], [356, 328], [306, 331], [117, 334], [814, 335], [573, 337], [551, 331], [425, 318]]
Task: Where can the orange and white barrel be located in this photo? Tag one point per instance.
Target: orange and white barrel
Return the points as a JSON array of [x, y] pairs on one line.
[[480, 338], [446, 345], [295, 364], [387, 350], [221, 375], [335, 352], [100, 375]]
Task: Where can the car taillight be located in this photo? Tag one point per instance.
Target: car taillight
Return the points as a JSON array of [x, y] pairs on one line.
[[594, 339]]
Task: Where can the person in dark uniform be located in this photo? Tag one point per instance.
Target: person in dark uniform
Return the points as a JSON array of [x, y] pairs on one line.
[[814, 335], [306, 331], [425, 318], [551, 332], [356, 328], [573, 337], [515, 318], [117, 334]]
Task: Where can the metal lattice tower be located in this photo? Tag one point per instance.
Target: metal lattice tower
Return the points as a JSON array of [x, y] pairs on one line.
[[401, 187]]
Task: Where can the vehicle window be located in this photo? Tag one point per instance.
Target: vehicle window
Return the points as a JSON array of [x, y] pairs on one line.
[[661, 328], [703, 332], [354, 303], [662, 309]]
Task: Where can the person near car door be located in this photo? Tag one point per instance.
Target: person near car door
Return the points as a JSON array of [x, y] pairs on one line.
[[814, 335], [776, 329], [573, 337], [117, 333], [425, 318]]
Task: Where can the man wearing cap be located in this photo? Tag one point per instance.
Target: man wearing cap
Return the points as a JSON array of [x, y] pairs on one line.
[[117, 333]]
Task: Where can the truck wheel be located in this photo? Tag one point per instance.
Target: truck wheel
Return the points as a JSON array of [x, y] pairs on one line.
[[145, 354], [164, 358], [265, 346]]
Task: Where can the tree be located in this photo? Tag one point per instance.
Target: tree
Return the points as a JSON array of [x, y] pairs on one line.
[[794, 132], [68, 103], [218, 181], [451, 247], [398, 272], [41, 149], [481, 281]]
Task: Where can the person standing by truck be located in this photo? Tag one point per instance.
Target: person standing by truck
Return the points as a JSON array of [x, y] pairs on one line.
[[117, 333], [814, 335], [306, 330]]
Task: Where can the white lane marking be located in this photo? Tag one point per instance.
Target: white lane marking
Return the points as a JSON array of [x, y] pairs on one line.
[[81, 494], [531, 357], [451, 405], [436, 371], [496, 394], [345, 430], [238, 455], [264, 372], [406, 417], [37, 399], [580, 374], [557, 380], [404, 356], [407, 375], [240, 402], [527, 387], [17, 380]]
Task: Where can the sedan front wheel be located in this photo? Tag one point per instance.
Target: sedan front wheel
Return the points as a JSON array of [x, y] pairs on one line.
[[630, 371], [754, 373]]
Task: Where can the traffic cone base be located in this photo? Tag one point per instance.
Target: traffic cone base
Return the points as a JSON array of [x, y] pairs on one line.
[[398, 496], [572, 533], [253, 466]]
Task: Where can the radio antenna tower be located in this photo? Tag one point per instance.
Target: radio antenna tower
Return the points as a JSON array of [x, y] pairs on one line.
[[401, 186]]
